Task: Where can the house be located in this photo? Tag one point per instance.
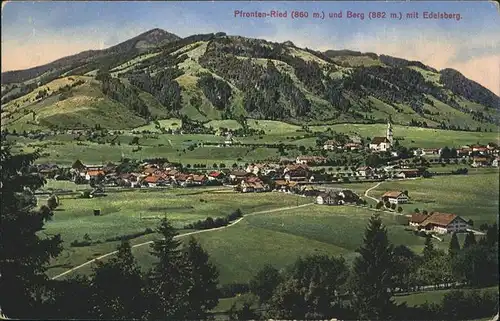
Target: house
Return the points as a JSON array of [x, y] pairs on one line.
[[426, 152], [155, 181], [229, 140], [237, 175], [284, 186], [407, 173], [394, 197], [444, 223], [417, 218], [305, 160], [380, 144], [480, 162], [364, 171], [352, 146], [199, 180], [328, 198], [216, 176], [296, 175], [93, 174], [331, 145], [183, 179], [463, 152], [494, 163]]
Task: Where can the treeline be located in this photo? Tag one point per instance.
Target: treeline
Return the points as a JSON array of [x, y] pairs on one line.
[[460, 85], [210, 223], [217, 91], [268, 93], [162, 86], [127, 96]]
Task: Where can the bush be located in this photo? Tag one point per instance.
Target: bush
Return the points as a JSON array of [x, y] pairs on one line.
[[400, 209], [129, 236]]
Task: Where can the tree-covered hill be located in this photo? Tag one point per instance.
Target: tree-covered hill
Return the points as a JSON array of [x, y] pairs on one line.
[[215, 76]]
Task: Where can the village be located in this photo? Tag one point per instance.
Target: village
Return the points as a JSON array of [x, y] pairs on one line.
[[305, 176]]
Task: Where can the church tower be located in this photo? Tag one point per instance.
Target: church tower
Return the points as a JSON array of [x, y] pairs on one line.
[[389, 132]]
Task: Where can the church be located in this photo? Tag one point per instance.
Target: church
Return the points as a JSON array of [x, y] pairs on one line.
[[383, 144]]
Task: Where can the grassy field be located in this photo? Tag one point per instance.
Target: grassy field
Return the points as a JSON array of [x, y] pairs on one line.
[[128, 212], [474, 196], [238, 251]]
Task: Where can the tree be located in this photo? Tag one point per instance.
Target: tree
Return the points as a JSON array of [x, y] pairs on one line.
[[400, 209], [454, 247], [379, 205], [135, 141], [167, 286], [117, 287], [265, 282], [372, 273], [310, 289], [470, 240], [24, 251], [429, 252], [52, 202], [405, 264], [203, 276]]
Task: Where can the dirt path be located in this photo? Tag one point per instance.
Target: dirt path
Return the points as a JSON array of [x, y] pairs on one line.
[[179, 236], [371, 188]]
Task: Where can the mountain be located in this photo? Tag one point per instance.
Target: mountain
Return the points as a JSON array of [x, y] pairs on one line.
[[215, 76], [149, 39]]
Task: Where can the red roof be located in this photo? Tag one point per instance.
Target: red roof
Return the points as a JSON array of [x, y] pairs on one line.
[[95, 173], [379, 140], [215, 174], [441, 219], [152, 179], [392, 194], [418, 218]]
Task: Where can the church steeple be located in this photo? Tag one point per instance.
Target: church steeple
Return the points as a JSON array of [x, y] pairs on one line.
[[389, 132]]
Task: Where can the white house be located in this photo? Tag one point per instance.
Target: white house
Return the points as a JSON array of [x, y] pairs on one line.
[[395, 197], [445, 223], [365, 171], [327, 198], [417, 218], [331, 145], [494, 163]]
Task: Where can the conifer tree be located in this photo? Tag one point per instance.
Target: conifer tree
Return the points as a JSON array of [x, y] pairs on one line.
[[117, 287], [24, 253], [470, 240], [166, 285], [429, 252], [454, 247], [372, 274], [203, 277]]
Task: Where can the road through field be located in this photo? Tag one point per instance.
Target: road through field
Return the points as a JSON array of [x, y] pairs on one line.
[[179, 236], [373, 187]]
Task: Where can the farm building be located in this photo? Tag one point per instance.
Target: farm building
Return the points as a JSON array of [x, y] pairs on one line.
[[417, 218], [444, 223], [395, 197], [480, 162], [329, 198]]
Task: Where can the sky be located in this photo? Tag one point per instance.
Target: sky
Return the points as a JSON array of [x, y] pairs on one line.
[[35, 33]]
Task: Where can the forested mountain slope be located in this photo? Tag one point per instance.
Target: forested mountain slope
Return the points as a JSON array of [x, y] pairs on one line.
[[215, 76]]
